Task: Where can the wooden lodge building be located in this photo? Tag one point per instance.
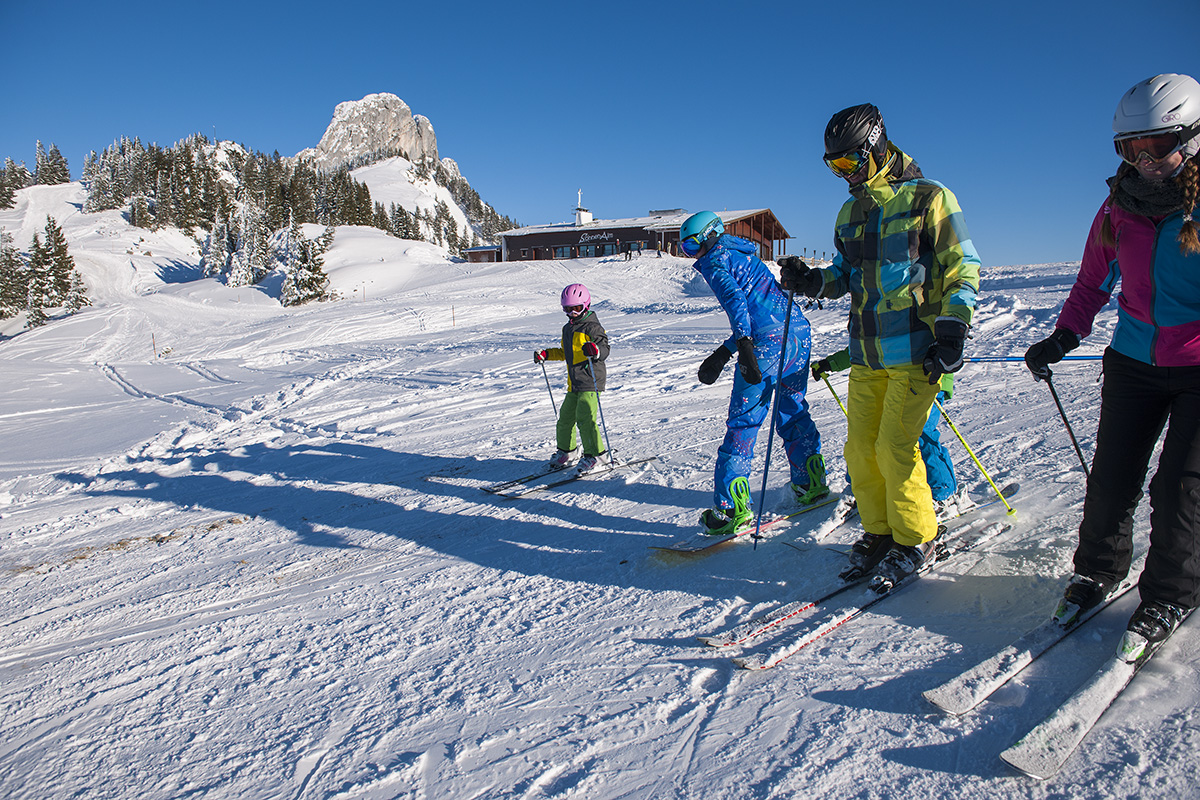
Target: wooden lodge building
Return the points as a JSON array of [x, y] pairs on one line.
[[591, 238]]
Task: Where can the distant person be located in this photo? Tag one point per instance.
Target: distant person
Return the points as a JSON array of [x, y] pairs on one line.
[[906, 259], [939, 467], [1152, 367], [585, 349], [757, 311]]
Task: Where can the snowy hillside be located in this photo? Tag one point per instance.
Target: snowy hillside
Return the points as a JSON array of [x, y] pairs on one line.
[[260, 564], [394, 180]]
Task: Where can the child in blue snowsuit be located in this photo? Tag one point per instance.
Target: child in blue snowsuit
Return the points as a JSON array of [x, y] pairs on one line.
[[757, 310]]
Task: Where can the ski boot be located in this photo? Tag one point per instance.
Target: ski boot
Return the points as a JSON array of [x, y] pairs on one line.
[[1081, 594], [817, 488], [868, 551], [592, 463], [563, 459], [901, 561], [722, 521], [1156, 621]]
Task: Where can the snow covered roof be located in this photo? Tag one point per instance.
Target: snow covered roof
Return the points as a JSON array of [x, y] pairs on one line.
[[657, 221]]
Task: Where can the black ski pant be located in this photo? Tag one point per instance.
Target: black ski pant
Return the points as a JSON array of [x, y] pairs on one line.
[[1137, 401]]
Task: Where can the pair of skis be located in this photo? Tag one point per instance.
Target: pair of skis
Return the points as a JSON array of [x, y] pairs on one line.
[[552, 478], [827, 615], [1042, 752]]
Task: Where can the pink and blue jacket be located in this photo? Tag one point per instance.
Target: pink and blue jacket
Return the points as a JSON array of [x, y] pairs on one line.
[[1158, 308]]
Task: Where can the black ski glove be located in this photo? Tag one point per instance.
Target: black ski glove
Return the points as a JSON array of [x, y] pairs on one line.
[[947, 354], [1049, 351], [796, 276], [710, 368], [821, 368], [747, 361]]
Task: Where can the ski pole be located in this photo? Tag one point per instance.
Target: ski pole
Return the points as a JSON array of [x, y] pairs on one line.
[[548, 389], [1044, 375], [835, 395], [1022, 358], [600, 409], [974, 458], [762, 497]]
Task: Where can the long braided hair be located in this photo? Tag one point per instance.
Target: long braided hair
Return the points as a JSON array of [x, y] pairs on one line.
[[1188, 180]]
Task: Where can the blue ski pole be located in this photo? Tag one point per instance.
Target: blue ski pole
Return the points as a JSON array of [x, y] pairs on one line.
[[553, 404], [762, 496], [600, 409]]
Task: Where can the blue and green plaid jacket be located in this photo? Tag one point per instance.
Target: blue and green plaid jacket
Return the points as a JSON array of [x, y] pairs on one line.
[[905, 257]]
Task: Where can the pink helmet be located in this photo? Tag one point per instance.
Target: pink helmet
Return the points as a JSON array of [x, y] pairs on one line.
[[576, 300]]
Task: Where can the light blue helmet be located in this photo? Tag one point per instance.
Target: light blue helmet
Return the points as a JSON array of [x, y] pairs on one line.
[[698, 229]]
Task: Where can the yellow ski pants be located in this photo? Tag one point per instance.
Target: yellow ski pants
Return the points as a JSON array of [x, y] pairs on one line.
[[887, 410]]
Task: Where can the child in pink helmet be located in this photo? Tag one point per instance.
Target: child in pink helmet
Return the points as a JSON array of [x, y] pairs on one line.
[[585, 349]]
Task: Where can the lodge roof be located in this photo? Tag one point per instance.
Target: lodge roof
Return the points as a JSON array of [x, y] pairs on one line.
[[658, 221]]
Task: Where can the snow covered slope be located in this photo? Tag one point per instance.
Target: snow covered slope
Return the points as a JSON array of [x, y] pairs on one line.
[[252, 559]]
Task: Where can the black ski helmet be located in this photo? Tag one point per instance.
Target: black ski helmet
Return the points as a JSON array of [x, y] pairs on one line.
[[857, 128]]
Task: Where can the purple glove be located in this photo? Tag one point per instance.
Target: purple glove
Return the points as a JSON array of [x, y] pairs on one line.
[[590, 350]]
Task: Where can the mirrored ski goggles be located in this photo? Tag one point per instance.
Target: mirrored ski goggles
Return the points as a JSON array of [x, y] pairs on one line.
[[1157, 146], [573, 311], [846, 164], [692, 244]]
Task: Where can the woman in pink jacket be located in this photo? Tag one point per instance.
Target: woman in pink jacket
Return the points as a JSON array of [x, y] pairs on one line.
[[1144, 235]]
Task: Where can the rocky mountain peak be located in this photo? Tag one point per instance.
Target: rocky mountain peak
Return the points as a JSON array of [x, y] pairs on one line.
[[378, 122]]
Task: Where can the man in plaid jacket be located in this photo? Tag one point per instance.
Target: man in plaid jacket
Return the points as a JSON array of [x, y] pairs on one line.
[[912, 272]]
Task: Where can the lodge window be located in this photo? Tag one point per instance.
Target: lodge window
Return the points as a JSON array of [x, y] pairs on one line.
[[608, 250], [562, 252], [587, 251]]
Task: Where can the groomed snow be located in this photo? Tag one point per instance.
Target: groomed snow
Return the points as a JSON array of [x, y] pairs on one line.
[[245, 552]]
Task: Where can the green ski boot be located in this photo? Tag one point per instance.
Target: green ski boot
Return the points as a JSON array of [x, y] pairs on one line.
[[724, 521], [817, 487]]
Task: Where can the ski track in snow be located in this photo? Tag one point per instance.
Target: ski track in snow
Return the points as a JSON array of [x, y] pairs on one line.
[[261, 565]]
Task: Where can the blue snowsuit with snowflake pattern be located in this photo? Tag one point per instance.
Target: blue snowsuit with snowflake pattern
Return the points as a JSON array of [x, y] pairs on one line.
[[757, 308]]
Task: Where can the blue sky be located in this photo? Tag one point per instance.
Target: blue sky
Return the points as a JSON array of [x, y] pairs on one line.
[[641, 105]]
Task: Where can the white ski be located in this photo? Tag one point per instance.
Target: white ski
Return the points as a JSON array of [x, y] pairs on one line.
[[1042, 752]]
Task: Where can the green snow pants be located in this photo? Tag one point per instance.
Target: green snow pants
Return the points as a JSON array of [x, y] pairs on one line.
[[580, 409]]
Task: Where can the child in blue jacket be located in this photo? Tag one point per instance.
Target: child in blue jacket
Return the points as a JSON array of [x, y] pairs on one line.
[[757, 310]]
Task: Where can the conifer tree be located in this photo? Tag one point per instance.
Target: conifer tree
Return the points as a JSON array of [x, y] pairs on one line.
[[306, 279], [8, 195], [39, 293], [215, 260], [250, 262], [139, 212], [14, 282], [164, 201], [56, 166], [76, 294], [18, 175], [64, 278], [41, 170]]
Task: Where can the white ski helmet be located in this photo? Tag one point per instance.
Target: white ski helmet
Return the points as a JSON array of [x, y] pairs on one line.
[[1167, 103]]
